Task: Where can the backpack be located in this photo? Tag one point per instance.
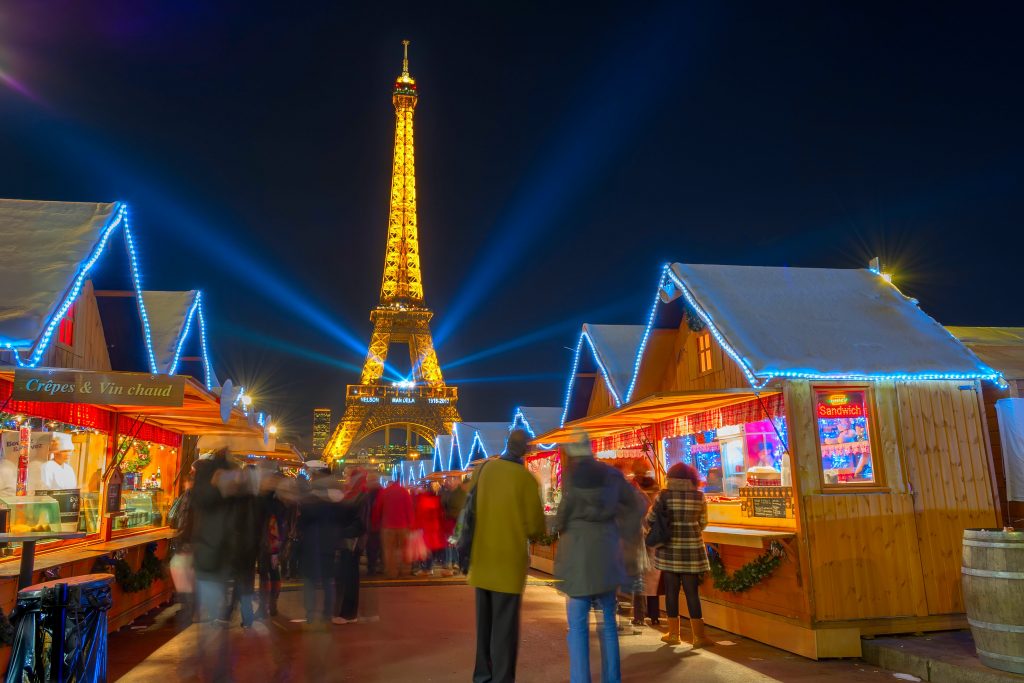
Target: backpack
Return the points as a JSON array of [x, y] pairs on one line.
[[658, 534], [466, 525]]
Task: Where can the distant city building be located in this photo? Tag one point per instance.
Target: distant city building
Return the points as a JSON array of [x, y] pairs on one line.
[[321, 429]]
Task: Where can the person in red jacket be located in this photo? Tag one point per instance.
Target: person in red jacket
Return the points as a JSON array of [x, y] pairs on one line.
[[393, 514], [428, 519]]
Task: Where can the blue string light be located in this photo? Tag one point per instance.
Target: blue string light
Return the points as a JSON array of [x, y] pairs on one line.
[[647, 333], [600, 367], [137, 280], [196, 311], [520, 419]]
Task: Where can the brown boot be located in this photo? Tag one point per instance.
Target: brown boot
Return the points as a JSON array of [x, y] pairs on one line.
[[672, 637], [700, 638]]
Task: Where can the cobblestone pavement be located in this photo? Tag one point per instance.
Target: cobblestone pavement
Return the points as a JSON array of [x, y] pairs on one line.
[[426, 634]]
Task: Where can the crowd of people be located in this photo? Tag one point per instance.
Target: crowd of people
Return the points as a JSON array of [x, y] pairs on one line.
[[248, 526], [243, 529]]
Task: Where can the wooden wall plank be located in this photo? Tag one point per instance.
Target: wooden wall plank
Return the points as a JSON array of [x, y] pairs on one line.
[[855, 539], [947, 466]]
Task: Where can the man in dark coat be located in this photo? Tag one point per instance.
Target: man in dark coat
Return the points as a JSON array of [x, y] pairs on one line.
[[213, 546], [590, 565]]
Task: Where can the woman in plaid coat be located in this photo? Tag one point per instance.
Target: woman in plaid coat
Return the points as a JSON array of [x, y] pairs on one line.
[[684, 559]]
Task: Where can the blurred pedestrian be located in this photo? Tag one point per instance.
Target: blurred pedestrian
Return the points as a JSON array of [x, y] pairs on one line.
[[684, 559], [318, 535], [645, 597], [599, 515], [373, 559], [353, 518], [212, 546], [429, 514], [245, 521], [508, 512], [272, 515], [393, 513]]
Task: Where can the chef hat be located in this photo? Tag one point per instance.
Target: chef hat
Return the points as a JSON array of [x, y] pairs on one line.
[[61, 442]]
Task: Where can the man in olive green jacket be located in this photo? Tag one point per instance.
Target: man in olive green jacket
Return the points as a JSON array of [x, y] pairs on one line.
[[508, 513]]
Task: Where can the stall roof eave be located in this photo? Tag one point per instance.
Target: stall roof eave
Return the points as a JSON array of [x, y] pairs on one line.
[[198, 414], [649, 410]]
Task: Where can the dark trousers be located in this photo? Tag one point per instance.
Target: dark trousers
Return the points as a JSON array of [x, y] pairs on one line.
[[346, 584], [645, 603], [688, 582], [373, 553], [497, 636]]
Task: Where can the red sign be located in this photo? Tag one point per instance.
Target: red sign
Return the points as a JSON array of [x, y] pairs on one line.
[[841, 405], [25, 443]]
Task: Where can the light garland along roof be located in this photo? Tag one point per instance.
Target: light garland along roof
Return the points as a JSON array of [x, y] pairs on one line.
[[610, 351], [175, 319], [1002, 348], [818, 323], [48, 250], [442, 453], [535, 420]]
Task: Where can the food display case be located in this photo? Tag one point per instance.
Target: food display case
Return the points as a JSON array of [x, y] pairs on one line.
[[140, 509], [29, 514]]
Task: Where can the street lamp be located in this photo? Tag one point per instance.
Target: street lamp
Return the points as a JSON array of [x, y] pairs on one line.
[[246, 400], [272, 429]]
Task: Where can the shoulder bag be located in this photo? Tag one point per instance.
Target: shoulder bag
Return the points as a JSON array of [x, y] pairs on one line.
[[658, 534]]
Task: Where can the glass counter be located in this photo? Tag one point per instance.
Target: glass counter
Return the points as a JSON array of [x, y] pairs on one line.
[[29, 514]]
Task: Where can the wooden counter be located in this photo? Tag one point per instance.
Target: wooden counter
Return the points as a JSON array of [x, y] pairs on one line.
[[742, 536]]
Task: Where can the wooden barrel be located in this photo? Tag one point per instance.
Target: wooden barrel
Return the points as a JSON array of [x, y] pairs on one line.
[[993, 583]]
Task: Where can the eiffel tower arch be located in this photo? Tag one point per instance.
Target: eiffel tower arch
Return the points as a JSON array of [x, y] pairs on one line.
[[421, 404]]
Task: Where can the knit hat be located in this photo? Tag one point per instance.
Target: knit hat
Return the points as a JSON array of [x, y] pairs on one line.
[[61, 442], [579, 447]]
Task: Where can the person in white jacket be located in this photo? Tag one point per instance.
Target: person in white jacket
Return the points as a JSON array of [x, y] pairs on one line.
[[58, 473]]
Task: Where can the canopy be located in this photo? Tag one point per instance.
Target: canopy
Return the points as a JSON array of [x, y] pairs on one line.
[[649, 410]]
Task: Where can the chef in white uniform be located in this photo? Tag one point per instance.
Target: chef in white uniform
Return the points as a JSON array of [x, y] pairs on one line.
[[58, 473]]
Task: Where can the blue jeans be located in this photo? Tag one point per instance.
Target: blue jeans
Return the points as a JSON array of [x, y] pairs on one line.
[[579, 638]]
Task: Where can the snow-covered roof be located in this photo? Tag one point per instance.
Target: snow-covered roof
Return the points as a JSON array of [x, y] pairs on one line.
[[820, 323], [492, 436], [47, 250], [535, 420], [1002, 348], [611, 352], [174, 319], [615, 347]]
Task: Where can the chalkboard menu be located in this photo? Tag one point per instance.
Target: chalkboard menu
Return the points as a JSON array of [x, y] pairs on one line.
[[769, 507]]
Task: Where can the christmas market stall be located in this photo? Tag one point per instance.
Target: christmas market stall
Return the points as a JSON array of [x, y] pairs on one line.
[[839, 434], [98, 422]]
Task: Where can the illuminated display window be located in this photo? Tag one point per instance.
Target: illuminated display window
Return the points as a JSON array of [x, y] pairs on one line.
[[844, 436], [66, 329], [704, 351]]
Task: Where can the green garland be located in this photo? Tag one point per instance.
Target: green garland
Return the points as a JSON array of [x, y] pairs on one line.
[[151, 569], [547, 539], [750, 574]]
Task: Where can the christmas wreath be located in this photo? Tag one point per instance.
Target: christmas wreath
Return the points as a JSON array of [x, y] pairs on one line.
[[151, 569], [750, 574]]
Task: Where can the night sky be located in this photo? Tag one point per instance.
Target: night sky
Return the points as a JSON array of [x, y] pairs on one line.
[[563, 155]]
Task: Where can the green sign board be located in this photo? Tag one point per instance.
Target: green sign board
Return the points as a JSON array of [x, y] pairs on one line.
[[99, 388]]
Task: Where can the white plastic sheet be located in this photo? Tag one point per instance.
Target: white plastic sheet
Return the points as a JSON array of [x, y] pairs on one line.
[[1010, 412]]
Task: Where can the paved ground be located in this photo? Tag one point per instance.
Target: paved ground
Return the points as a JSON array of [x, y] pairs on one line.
[[426, 634]]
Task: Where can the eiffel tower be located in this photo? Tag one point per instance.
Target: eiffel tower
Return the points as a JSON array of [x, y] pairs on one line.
[[422, 404]]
